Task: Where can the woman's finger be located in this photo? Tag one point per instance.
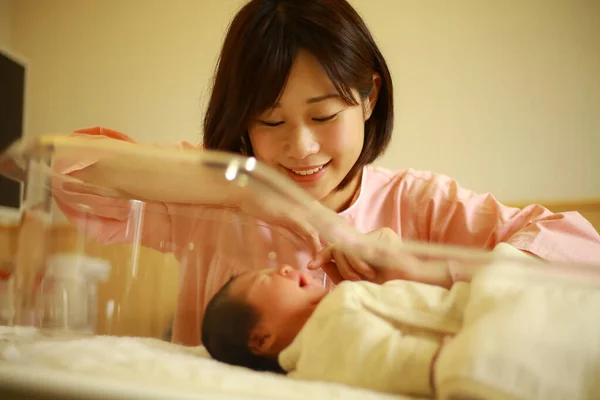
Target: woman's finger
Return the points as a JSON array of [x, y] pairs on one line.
[[331, 270], [296, 220], [273, 213], [324, 256], [361, 267], [309, 233], [348, 267], [346, 271]]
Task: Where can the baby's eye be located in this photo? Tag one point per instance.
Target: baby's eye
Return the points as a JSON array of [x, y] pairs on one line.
[[327, 118]]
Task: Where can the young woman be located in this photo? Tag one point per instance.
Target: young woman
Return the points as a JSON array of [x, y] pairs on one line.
[[303, 87]]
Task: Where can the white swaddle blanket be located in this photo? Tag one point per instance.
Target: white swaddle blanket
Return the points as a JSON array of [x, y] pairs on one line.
[[526, 335]]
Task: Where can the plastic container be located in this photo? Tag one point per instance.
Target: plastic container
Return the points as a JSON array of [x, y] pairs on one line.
[[67, 296], [168, 259], [6, 296], [87, 259]]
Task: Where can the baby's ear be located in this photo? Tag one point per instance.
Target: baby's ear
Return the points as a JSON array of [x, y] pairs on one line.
[[261, 341]]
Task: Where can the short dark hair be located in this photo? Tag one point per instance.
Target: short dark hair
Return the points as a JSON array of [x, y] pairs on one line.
[[226, 329], [259, 50]]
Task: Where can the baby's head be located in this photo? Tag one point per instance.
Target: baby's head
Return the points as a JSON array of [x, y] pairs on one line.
[[257, 314]]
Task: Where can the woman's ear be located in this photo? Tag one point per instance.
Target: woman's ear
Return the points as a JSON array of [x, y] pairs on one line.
[[261, 341], [244, 145], [371, 100]]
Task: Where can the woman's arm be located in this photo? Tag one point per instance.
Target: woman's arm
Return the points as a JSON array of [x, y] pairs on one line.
[[111, 219], [161, 185], [142, 177], [434, 209], [449, 214]]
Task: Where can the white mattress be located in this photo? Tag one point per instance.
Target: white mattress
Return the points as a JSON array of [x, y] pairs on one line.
[[122, 367]]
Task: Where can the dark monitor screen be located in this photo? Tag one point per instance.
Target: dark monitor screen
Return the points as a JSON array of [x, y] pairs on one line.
[[12, 95]]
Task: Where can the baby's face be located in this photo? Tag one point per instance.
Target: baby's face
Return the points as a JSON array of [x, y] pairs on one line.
[[284, 297]]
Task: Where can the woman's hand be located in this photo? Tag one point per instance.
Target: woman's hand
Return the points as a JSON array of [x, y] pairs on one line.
[[275, 211], [340, 266]]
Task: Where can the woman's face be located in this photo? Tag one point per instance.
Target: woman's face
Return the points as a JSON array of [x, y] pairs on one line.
[[312, 135]]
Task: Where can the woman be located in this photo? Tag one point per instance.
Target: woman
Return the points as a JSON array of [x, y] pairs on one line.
[[303, 87]]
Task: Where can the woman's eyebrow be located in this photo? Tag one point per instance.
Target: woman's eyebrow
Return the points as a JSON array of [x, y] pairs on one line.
[[317, 99]]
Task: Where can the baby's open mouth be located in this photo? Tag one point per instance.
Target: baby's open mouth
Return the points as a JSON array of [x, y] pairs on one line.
[[302, 281]]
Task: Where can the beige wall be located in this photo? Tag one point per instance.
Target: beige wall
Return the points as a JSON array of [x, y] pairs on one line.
[[5, 24], [501, 95]]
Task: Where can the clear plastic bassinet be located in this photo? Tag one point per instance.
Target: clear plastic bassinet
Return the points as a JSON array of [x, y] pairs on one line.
[[91, 259], [86, 260]]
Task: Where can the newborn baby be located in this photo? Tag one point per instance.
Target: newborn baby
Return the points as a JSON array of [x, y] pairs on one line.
[[380, 337]]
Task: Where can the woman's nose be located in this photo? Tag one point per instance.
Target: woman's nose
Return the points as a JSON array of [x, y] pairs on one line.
[[301, 143]]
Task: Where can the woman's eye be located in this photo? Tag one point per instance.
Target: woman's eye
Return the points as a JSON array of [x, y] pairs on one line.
[[271, 124], [325, 119]]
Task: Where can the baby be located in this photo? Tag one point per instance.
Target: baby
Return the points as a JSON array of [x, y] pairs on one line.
[[380, 337]]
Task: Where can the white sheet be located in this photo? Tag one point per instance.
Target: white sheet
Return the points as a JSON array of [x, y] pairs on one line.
[[121, 367]]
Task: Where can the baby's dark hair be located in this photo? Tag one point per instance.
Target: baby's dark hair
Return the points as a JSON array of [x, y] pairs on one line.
[[226, 329]]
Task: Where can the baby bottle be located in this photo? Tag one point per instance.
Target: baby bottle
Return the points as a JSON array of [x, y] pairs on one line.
[[67, 297]]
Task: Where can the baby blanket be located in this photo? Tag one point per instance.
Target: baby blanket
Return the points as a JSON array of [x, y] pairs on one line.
[[526, 335]]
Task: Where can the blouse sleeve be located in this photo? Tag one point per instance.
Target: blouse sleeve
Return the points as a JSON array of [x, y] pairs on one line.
[[109, 220], [449, 214]]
